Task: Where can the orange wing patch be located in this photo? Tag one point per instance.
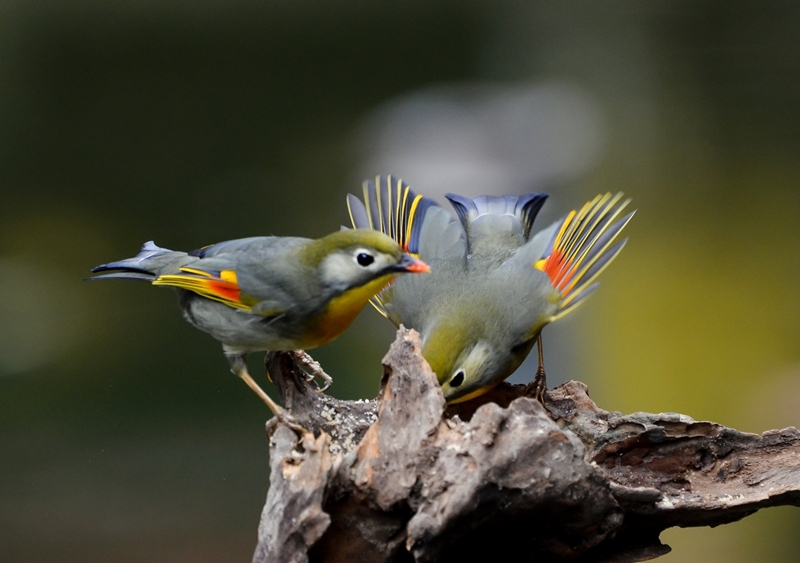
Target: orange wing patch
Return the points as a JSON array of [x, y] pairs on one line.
[[557, 266], [220, 286]]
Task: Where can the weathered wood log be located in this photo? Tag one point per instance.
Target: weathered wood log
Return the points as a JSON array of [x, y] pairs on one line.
[[407, 478]]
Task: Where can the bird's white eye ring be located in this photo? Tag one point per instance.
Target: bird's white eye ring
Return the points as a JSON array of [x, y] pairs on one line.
[[458, 379], [364, 259]]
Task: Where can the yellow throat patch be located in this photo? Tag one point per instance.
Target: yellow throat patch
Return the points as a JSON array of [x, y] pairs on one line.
[[342, 310]]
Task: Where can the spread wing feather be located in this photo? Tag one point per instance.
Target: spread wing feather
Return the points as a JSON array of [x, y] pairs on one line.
[[417, 223], [583, 247]]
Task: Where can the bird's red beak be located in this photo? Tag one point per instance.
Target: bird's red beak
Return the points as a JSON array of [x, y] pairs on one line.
[[413, 265]]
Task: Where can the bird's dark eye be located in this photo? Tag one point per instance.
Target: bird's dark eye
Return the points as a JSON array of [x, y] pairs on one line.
[[457, 380], [364, 259]]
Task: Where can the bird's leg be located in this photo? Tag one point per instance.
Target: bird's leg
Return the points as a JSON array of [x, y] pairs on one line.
[[537, 387], [314, 369], [239, 367]]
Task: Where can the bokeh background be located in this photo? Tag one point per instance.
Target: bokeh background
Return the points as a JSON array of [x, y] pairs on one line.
[[122, 435]]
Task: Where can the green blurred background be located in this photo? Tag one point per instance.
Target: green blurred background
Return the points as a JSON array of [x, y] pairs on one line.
[[122, 435]]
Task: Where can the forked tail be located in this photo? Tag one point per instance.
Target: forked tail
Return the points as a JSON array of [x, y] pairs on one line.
[[143, 266]]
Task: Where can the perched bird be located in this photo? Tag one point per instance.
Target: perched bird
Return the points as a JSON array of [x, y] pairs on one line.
[[493, 285], [272, 293]]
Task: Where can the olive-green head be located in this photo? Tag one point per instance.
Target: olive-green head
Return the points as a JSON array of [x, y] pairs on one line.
[[469, 360], [352, 258]]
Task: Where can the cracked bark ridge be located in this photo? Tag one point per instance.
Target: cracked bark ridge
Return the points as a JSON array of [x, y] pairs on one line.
[[407, 478]]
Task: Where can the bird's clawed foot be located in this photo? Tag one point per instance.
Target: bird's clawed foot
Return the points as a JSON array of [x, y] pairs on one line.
[[314, 369], [285, 418], [536, 388]]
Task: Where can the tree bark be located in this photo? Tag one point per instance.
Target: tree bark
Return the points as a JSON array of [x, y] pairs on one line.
[[406, 477]]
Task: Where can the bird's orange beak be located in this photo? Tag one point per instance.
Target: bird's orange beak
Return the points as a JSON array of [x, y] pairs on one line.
[[414, 265]]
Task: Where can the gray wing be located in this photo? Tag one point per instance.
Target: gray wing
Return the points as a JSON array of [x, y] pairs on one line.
[[266, 271]]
